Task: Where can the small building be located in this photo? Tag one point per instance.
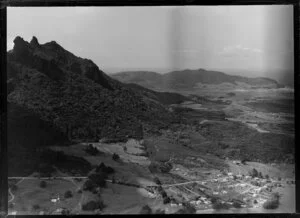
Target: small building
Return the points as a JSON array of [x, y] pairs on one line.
[[230, 174]]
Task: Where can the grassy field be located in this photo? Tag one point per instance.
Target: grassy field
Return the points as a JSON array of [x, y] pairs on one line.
[[29, 193]]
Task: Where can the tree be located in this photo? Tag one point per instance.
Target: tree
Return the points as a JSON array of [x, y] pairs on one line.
[[253, 173], [115, 157], [93, 205], [146, 210], [36, 207], [68, 194], [267, 176], [98, 178], [43, 184], [14, 187], [157, 181], [89, 185]]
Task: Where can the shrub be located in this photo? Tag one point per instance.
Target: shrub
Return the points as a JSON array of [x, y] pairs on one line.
[[65, 212], [279, 178], [14, 187], [157, 167], [159, 211], [267, 176], [90, 149], [93, 205], [115, 157], [271, 204], [157, 181], [36, 207], [253, 173], [166, 200], [236, 205], [219, 205], [10, 206], [43, 184], [260, 175], [68, 194], [105, 169], [89, 185], [255, 201], [98, 178], [187, 209], [146, 210]]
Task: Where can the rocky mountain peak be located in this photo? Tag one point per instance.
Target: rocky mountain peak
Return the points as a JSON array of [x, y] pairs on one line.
[[34, 42]]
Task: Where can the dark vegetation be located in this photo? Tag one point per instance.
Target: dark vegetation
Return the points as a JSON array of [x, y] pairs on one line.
[[115, 157], [146, 210], [68, 194], [43, 184], [240, 142], [187, 209], [66, 163], [93, 205], [105, 169], [160, 167], [273, 106], [36, 207], [55, 97], [218, 205], [273, 202], [14, 187], [27, 134], [91, 150], [165, 98], [75, 96]]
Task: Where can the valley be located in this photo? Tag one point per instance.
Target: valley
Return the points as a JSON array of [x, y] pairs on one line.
[[108, 147]]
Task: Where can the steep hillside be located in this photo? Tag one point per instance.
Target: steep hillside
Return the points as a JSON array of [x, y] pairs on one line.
[[187, 79], [165, 98], [75, 95]]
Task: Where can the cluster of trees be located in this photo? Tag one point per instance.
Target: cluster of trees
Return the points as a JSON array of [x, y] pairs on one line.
[[273, 202], [91, 150], [94, 181], [93, 205], [218, 205], [187, 209], [98, 179], [43, 184], [147, 210], [162, 192], [68, 194], [115, 157], [104, 169], [254, 173], [160, 167]]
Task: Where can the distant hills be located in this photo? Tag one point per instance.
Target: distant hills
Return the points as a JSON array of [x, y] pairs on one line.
[[188, 79]]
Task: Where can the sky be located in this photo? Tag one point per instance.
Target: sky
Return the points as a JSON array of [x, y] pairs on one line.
[[246, 40]]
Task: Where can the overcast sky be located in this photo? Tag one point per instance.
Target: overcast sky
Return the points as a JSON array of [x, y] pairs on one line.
[[231, 38]]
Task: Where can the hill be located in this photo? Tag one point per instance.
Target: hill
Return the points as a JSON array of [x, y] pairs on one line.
[[187, 79], [74, 94], [55, 97]]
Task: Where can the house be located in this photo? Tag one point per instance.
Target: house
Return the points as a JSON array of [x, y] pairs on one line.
[[54, 200]]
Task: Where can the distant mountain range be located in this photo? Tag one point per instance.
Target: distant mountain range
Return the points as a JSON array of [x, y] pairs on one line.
[[188, 79]]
